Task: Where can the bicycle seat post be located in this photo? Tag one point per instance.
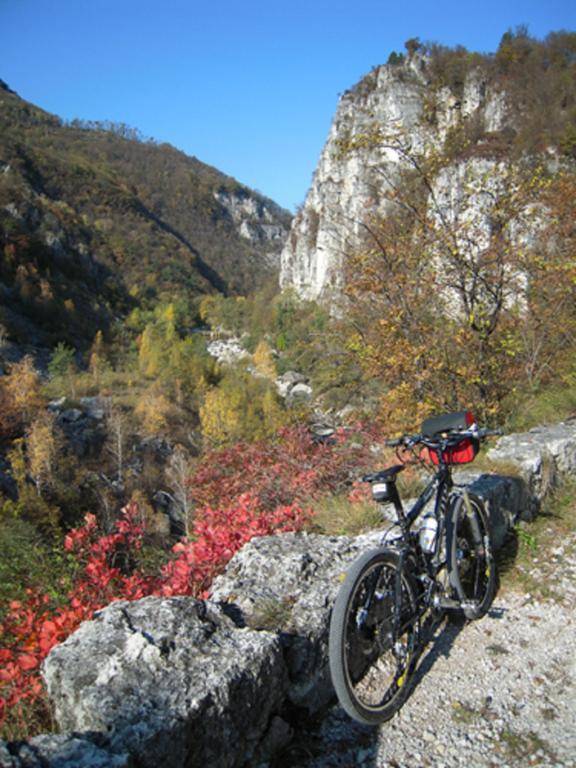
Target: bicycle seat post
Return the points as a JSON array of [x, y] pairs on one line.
[[399, 508]]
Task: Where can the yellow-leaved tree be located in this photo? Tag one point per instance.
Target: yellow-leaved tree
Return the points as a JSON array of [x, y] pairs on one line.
[[153, 409], [264, 360], [241, 407], [97, 361], [150, 352], [23, 389], [42, 450]]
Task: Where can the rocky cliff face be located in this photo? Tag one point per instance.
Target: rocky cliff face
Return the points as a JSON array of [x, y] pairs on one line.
[[391, 117]]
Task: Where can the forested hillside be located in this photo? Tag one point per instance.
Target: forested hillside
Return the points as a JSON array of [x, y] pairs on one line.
[[95, 220]]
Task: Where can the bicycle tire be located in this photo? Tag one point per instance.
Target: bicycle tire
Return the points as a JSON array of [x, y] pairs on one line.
[[371, 669], [470, 556]]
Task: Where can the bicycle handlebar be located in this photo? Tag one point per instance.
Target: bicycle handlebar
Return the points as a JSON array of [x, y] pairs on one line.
[[485, 432], [409, 441]]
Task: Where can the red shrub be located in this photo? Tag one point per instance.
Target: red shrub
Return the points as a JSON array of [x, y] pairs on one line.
[[241, 492]]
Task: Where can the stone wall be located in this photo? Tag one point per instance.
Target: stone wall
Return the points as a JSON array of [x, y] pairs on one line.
[[180, 682]]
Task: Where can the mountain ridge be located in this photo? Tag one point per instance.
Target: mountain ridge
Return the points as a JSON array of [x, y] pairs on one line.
[[135, 221]]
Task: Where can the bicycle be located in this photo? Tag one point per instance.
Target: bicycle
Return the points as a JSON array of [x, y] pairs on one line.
[[391, 593]]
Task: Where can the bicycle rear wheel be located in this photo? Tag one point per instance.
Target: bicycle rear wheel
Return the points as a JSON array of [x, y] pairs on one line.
[[470, 556], [373, 631]]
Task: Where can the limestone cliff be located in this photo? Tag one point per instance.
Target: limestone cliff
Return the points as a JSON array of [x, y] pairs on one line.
[[398, 114]]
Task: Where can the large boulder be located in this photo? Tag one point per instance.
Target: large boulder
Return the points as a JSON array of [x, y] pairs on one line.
[[507, 499], [541, 455], [63, 751], [288, 583], [172, 682]]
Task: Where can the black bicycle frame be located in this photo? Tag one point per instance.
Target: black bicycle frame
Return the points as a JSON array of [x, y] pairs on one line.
[[441, 482], [440, 486]]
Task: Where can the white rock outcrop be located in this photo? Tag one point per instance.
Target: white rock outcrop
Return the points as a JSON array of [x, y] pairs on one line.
[[388, 111]]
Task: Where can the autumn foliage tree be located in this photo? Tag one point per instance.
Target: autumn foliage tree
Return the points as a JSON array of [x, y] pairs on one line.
[[22, 390], [447, 302], [546, 331], [241, 407]]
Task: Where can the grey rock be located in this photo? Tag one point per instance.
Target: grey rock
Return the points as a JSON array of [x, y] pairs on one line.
[[256, 219], [62, 751], [172, 682], [84, 434], [507, 499], [293, 377], [55, 406], [71, 416], [227, 351], [300, 575], [7, 760], [288, 381], [299, 392], [540, 454], [95, 407]]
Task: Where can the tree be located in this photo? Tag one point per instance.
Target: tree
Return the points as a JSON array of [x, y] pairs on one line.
[[264, 361], [170, 323], [42, 452], [38, 465], [97, 357], [117, 437], [412, 45], [547, 331], [23, 389], [241, 407], [154, 410], [63, 365], [395, 58], [445, 285], [178, 473], [150, 352], [9, 417]]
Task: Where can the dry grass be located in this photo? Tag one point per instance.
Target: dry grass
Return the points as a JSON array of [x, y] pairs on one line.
[[272, 615], [337, 516]]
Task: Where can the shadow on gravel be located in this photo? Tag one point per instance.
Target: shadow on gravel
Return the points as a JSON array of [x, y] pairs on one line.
[[439, 641], [336, 741]]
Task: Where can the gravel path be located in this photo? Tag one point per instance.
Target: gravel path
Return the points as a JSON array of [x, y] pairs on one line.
[[500, 691]]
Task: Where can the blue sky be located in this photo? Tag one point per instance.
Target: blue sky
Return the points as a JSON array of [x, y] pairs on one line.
[[245, 85]]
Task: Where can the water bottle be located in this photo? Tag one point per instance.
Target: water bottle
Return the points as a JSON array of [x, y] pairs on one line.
[[427, 533]]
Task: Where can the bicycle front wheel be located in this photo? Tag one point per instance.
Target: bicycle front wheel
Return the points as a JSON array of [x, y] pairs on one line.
[[470, 555], [373, 638]]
